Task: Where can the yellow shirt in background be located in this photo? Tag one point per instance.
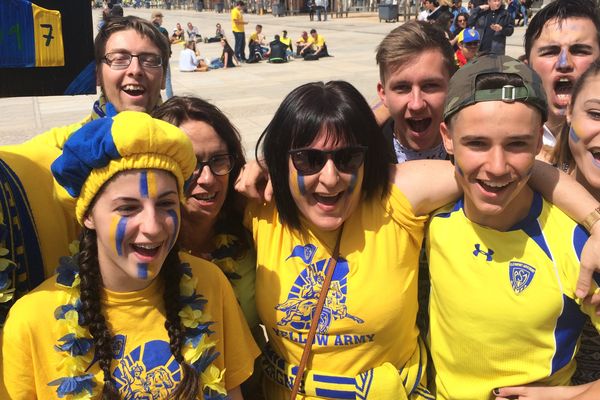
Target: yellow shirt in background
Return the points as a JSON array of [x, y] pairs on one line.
[[236, 14]]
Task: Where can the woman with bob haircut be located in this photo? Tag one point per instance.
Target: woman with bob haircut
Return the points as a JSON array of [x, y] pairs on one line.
[[335, 197], [127, 315]]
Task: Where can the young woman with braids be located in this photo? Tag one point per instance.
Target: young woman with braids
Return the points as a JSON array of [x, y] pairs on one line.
[[127, 316]]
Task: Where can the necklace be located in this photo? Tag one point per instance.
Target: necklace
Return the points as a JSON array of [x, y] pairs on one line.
[[198, 350]]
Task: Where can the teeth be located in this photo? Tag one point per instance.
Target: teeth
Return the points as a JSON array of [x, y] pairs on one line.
[[132, 87], [147, 246], [205, 197], [564, 80], [495, 184]]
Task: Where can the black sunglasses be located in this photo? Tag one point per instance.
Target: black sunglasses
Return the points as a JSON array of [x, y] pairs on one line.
[[219, 165], [309, 161]]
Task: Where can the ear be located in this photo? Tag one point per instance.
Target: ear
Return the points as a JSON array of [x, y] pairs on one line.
[[447, 138], [381, 92], [526, 61], [88, 222]]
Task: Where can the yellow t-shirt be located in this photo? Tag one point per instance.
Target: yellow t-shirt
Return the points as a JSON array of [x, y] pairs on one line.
[[287, 41], [370, 312], [319, 41], [143, 366], [236, 14], [503, 310]]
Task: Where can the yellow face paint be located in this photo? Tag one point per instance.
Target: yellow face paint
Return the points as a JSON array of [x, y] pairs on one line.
[[148, 184], [297, 183]]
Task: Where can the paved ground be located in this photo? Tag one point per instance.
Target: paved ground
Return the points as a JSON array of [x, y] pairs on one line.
[[249, 95]]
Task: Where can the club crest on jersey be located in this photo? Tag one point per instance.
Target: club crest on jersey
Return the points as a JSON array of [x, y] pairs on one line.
[[521, 275], [149, 372], [304, 293], [478, 250]]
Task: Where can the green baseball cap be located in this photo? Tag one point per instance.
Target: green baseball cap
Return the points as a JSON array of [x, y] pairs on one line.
[[462, 92]]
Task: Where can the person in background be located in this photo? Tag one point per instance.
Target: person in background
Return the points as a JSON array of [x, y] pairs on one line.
[[178, 34], [494, 25], [219, 33], [288, 42], [468, 43], [457, 8], [227, 59], [460, 23], [157, 18], [237, 26], [316, 45], [302, 42], [192, 33], [189, 59]]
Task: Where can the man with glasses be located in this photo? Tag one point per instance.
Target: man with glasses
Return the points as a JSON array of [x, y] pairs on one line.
[[131, 60], [468, 43]]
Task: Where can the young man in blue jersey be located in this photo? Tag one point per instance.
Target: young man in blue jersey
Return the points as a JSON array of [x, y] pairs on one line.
[[504, 262]]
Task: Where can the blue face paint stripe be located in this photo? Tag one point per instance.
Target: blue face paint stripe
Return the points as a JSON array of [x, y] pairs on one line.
[[352, 184], [458, 170], [144, 184], [120, 235], [573, 135], [173, 214], [301, 185], [562, 59], [142, 270]]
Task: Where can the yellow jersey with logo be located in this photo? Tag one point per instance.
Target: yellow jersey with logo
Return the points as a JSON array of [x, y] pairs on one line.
[[503, 310], [369, 314], [143, 366], [236, 14]]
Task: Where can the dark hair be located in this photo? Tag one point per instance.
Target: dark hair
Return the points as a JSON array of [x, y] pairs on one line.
[[143, 27], [240, 3], [401, 45], [444, 20], [434, 2], [93, 318], [227, 47], [179, 109], [337, 108], [313, 31], [259, 26], [560, 10], [457, 28], [561, 155]]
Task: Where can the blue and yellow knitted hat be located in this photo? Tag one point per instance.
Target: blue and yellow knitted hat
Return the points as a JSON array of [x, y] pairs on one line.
[[106, 146]]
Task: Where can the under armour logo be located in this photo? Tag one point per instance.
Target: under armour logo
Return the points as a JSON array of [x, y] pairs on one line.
[[488, 255]]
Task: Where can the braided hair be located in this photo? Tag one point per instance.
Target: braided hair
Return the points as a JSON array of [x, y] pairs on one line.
[[94, 319]]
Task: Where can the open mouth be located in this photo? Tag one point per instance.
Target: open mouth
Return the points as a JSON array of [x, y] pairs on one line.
[[134, 90], [146, 249], [492, 187], [328, 200], [562, 89], [418, 125], [596, 156]]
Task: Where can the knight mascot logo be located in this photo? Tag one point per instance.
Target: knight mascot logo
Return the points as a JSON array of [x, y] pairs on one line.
[[303, 295]]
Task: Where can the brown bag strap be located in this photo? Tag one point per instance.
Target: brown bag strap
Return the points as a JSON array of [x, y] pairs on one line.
[[315, 319]]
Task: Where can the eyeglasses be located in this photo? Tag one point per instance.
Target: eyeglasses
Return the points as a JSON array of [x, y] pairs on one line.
[[219, 165], [309, 161], [119, 60]]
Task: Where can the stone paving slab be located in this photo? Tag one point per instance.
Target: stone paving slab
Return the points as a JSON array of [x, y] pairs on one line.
[[249, 95]]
